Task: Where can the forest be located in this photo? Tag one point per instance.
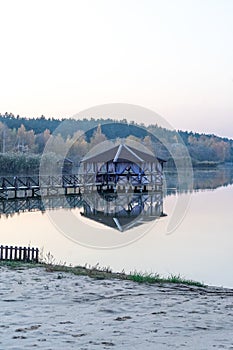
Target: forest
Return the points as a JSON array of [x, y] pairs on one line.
[[22, 141]]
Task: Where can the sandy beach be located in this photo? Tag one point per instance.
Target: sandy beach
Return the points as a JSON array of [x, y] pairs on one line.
[[51, 310]]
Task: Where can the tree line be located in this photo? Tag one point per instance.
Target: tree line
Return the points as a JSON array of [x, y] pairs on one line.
[[23, 140]]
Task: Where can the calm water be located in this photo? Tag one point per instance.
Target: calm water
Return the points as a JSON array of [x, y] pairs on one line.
[[199, 248]]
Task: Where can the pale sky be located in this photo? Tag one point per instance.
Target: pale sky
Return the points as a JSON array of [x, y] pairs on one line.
[[172, 56]]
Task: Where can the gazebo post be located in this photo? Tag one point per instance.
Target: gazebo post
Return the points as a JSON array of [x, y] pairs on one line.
[[107, 176]]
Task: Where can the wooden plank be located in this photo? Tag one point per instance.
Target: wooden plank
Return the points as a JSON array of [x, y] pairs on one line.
[[20, 253], [24, 254], [28, 253], [11, 252], [32, 251], [1, 252], [15, 251], [6, 252], [37, 255]]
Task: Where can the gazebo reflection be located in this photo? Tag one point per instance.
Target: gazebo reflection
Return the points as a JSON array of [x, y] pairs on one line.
[[123, 211]]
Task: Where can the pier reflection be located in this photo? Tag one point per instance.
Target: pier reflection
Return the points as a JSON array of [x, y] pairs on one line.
[[120, 211], [9, 207]]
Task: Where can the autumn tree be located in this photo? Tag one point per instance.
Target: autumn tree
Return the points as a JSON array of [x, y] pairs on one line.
[[97, 137], [77, 146], [148, 143]]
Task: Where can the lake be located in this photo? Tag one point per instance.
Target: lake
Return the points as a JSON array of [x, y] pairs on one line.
[[199, 247]]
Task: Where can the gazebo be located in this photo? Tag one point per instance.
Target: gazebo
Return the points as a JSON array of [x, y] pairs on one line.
[[65, 165], [121, 167]]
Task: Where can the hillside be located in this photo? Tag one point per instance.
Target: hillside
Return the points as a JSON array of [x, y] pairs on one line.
[[28, 136]]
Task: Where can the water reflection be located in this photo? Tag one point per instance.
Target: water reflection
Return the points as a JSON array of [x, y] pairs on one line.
[[9, 207], [121, 211], [203, 179], [200, 248]]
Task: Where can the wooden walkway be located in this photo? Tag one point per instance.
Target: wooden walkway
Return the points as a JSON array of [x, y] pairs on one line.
[[26, 254], [33, 186], [47, 185]]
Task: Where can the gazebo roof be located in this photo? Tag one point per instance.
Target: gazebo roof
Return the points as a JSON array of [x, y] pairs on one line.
[[119, 152], [65, 161], [120, 222]]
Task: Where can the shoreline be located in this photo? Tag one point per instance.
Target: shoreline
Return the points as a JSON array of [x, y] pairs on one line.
[[55, 310], [103, 273]]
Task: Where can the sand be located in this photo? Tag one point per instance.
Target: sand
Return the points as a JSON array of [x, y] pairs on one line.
[[61, 311]]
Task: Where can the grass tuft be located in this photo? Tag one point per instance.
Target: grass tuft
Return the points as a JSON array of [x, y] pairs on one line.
[[181, 280], [156, 278], [140, 277]]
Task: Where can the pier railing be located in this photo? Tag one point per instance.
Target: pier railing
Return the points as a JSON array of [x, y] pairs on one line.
[[33, 186], [46, 185]]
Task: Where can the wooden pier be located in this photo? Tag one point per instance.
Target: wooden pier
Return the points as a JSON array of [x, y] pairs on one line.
[[26, 254], [46, 185], [34, 186]]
